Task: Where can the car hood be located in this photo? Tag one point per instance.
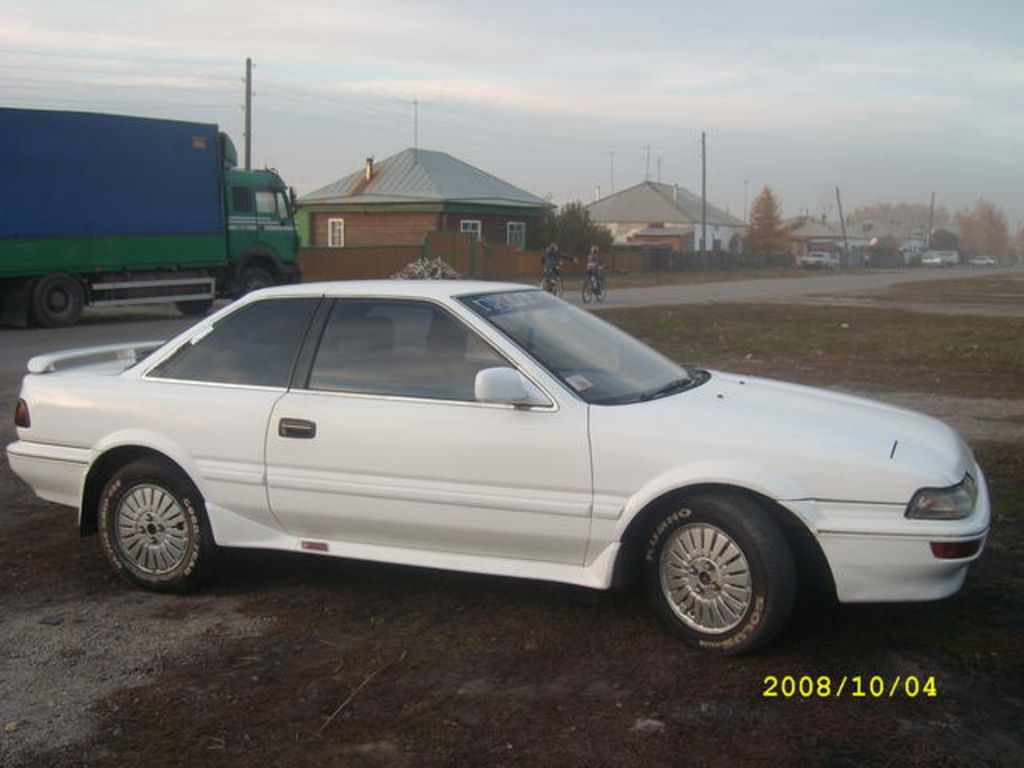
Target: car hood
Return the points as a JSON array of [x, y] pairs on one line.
[[826, 445]]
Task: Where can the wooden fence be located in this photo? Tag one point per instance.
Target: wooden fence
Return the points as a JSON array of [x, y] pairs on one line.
[[490, 261]]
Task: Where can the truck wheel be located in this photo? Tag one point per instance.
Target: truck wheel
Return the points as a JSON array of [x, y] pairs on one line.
[[720, 573], [154, 529], [195, 308], [254, 278], [56, 301]]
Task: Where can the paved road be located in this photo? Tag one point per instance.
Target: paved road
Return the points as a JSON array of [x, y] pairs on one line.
[[116, 325], [781, 289]]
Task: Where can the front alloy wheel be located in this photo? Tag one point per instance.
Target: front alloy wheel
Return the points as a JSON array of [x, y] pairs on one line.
[[705, 578], [720, 573]]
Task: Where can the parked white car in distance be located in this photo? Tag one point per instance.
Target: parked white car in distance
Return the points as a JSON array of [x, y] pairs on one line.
[[820, 260], [982, 261], [940, 259], [493, 428]]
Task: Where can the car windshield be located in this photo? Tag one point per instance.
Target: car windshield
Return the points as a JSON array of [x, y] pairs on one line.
[[600, 363]]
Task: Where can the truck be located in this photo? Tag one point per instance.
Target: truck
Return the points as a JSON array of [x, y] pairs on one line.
[[102, 210]]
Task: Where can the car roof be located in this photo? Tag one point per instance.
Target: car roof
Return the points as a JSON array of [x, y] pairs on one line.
[[434, 289]]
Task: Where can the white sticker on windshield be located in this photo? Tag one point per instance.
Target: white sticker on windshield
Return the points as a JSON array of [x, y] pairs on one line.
[[579, 383]]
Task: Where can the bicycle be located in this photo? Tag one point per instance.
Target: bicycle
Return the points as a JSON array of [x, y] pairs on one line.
[[553, 284], [594, 287]]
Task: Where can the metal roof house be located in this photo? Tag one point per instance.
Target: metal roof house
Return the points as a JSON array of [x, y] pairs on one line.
[[402, 198], [666, 213]]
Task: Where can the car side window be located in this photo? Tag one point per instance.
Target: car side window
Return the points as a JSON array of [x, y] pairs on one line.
[[255, 346], [399, 348]]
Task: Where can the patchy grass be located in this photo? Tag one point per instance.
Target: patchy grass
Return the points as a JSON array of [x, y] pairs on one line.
[[854, 346], [1001, 290]]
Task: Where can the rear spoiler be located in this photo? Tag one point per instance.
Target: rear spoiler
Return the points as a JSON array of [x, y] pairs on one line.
[[128, 353]]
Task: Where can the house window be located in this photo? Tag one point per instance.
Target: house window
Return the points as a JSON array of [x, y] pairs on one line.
[[335, 233], [472, 227], [516, 234]]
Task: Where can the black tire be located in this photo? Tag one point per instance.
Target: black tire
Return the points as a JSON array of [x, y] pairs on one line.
[[253, 278], [602, 290], [713, 612], [57, 301], [195, 308], [587, 292], [168, 551]]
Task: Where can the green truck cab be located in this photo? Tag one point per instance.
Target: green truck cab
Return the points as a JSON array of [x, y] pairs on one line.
[[103, 210]]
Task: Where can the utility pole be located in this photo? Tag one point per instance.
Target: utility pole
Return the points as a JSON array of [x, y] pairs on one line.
[[248, 114], [746, 191], [415, 127], [931, 224], [703, 194], [842, 224], [647, 173], [659, 169], [611, 186]]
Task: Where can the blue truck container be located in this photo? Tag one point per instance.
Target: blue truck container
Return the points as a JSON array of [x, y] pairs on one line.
[[102, 209]]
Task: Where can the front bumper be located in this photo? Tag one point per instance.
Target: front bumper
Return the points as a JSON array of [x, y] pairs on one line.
[[877, 555]]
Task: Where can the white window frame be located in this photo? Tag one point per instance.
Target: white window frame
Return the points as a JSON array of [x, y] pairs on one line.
[[519, 242], [475, 228], [331, 243]]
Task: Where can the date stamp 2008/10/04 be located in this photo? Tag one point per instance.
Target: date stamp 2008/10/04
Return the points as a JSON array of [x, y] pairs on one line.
[[849, 686]]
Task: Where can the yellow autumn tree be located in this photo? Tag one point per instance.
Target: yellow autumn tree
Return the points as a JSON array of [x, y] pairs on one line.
[[765, 234], [983, 229]]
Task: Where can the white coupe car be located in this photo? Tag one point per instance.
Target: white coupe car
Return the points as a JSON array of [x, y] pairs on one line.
[[493, 428]]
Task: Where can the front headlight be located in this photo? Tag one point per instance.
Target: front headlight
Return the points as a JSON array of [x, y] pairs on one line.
[[951, 503]]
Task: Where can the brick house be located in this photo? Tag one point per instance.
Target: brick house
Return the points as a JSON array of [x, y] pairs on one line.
[[402, 198]]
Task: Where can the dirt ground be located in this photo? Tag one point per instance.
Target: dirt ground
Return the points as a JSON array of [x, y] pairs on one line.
[[290, 660]]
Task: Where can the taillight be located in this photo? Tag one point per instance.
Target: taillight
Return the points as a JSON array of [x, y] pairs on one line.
[[21, 417]]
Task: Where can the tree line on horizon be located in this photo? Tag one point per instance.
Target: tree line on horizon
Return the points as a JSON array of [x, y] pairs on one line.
[[983, 228]]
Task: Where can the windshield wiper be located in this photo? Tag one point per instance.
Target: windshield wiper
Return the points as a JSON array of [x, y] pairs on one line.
[[677, 385]]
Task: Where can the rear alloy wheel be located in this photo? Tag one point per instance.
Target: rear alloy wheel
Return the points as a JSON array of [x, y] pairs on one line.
[[154, 529], [720, 573], [57, 301]]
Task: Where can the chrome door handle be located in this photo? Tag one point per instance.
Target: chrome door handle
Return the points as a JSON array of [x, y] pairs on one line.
[[296, 428]]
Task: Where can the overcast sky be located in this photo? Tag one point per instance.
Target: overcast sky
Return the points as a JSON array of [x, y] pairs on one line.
[[890, 101]]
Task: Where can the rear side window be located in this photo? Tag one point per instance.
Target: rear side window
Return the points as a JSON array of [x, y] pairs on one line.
[[399, 348], [255, 346]]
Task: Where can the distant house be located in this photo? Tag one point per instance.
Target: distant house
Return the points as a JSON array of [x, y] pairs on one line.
[[666, 214], [809, 233], [912, 237], [400, 199]]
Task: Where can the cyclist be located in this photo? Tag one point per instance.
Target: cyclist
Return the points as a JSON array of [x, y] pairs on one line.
[[594, 267], [552, 263]]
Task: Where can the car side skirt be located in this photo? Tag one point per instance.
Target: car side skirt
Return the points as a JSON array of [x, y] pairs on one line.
[[233, 530]]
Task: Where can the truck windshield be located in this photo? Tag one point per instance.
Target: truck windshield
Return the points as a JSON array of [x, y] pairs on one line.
[[600, 363]]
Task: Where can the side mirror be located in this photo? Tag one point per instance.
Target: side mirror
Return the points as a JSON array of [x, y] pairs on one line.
[[506, 386]]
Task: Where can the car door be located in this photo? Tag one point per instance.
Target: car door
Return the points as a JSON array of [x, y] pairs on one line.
[[385, 444], [212, 398]]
